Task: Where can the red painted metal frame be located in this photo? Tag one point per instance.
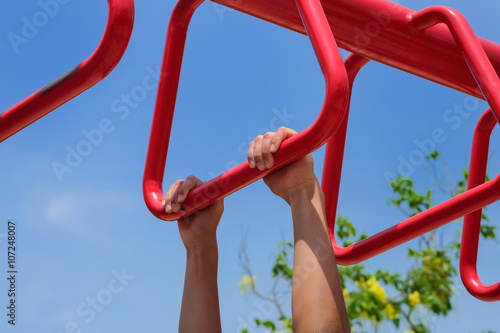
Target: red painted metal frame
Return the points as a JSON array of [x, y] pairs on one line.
[[472, 222], [379, 30], [328, 121], [444, 54], [482, 70], [82, 77], [441, 214]]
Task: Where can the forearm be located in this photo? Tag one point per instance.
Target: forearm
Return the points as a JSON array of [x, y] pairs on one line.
[[200, 301], [317, 300]]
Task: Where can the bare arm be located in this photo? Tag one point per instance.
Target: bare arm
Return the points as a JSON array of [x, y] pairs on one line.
[[317, 300], [200, 300]]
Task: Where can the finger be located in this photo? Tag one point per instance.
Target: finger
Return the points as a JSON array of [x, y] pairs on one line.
[[282, 134], [251, 161], [174, 195], [167, 206], [190, 183], [168, 197], [267, 155], [257, 153]]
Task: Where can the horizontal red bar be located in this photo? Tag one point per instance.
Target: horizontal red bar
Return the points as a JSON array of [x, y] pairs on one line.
[[310, 139], [82, 77], [378, 30]]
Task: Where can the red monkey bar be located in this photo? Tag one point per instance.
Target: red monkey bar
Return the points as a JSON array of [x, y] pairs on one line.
[[463, 204], [329, 119], [439, 215], [372, 29], [82, 77], [432, 54], [379, 30], [472, 222]]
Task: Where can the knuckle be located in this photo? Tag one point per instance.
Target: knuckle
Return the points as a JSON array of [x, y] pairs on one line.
[[267, 157], [268, 135]]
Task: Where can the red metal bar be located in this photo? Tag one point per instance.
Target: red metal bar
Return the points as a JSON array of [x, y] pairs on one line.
[[477, 60], [378, 30], [328, 121], [472, 221], [334, 156], [82, 77], [434, 54], [446, 212]]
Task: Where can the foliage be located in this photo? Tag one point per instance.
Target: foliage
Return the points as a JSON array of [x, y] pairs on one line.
[[372, 298], [282, 275]]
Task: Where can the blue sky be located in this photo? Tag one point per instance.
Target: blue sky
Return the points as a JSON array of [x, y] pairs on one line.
[[88, 235]]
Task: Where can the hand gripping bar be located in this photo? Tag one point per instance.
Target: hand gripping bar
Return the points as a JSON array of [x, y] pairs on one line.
[[472, 221], [82, 77], [328, 121], [450, 210]]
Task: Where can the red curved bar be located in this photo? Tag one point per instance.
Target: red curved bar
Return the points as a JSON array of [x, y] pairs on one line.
[[334, 156], [378, 30], [483, 71], [82, 77], [472, 222], [328, 121], [447, 211]]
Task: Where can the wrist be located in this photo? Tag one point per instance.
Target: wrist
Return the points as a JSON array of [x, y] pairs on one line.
[[202, 261], [203, 249], [303, 193]]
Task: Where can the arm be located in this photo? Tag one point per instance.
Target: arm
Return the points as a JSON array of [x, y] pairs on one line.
[[200, 300], [317, 300]]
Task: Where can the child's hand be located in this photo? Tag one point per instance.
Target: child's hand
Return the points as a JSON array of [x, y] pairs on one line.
[[293, 179], [199, 229]]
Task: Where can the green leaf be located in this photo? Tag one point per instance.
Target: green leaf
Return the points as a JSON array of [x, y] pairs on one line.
[[363, 236], [433, 155], [488, 231], [285, 244], [269, 324], [408, 199]]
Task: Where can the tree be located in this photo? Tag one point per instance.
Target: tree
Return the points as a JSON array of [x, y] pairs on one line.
[[372, 298]]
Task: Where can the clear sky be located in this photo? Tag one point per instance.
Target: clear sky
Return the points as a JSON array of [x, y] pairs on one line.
[[88, 235]]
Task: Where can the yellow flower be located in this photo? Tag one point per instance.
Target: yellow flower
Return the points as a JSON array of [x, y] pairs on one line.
[[346, 294], [361, 284], [414, 298], [375, 287], [371, 282], [246, 283], [390, 311], [437, 261]]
